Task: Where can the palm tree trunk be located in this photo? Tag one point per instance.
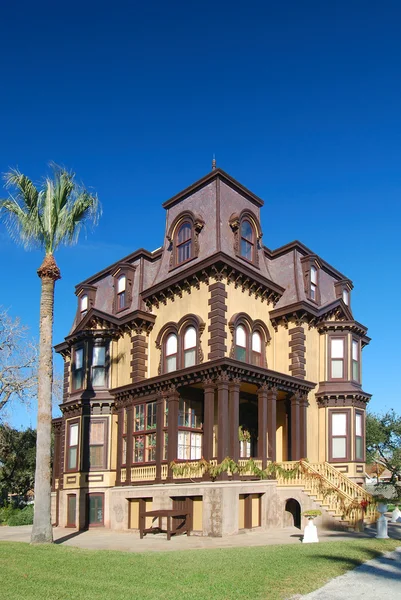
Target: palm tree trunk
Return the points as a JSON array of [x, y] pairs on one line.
[[42, 531]]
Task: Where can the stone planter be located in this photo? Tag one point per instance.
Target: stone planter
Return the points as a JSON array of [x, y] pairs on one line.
[[381, 525]]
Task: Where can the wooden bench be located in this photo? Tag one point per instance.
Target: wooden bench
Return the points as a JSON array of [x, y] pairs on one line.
[[168, 514]]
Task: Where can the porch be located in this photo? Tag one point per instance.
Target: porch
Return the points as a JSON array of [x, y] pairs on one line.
[[182, 426]]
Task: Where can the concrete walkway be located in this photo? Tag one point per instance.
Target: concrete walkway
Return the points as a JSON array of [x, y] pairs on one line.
[[376, 579], [105, 539]]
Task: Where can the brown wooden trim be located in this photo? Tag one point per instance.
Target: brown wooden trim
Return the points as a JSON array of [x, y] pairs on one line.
[[208, 417], [222, 418], [304, 427], [172, 396], [262, 424], [347, 412], [272, 422], [217, 329], [139, 347], [159, 436], [234, 389], [295, 427], [297, 354], [363, 414]]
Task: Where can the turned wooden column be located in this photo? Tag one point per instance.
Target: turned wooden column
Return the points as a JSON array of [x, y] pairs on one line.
[[304, 426], [262, 424], [222, 418], [272, 422], [234, 388], [295, 427], [130, 449], [208, 418], [159, 436], [172, 448]]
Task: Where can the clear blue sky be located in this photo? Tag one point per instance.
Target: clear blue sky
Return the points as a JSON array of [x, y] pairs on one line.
[[300, 101]]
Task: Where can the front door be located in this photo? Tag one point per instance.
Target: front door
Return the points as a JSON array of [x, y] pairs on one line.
[[96, 509]]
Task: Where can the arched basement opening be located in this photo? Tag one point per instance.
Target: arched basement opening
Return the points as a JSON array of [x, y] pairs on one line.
[[293, 513]]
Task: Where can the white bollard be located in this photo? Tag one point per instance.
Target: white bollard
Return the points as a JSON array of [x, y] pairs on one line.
[[381, 525], [310, 533], [396, 515]]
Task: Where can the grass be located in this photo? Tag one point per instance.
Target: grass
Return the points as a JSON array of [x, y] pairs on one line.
[[268, 573]]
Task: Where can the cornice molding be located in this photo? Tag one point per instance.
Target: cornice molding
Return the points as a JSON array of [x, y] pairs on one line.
[[307, 312], [219, 266]]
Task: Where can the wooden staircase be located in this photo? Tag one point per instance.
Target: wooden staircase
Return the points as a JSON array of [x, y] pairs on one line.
[[346, 501]]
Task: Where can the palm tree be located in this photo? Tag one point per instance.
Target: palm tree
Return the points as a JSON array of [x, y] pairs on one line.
[[48, 216]]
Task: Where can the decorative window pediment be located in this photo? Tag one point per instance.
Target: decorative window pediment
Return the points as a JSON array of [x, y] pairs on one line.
[[180, 344], [86, 299], [183, 237], [311, 271], [247, 235], [123, 276]]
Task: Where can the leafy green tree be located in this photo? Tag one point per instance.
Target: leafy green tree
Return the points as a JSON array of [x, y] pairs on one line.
[[17, 461], [46, 216], [383, 441]]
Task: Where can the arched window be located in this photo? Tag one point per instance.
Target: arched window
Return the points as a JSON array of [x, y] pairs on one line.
[[121, 286], [313, 283], [84, 305], [247, 246], [256, 349], [240, 343], [171, 352], [184, 243], [190, 347]]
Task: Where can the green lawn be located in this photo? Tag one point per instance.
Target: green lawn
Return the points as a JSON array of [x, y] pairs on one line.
[[270, 572]]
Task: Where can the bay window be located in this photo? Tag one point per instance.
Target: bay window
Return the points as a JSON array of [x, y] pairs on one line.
[[97, 445], [78, 369], [99, 366], [72, 445], [337, 358], [359, 436], [339, 435], [355, 361]]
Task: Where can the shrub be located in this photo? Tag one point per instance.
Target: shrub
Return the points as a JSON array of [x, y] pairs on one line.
[[6, 512], [21, 517]]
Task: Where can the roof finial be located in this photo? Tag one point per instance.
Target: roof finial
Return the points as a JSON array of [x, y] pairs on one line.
[[214, 163]]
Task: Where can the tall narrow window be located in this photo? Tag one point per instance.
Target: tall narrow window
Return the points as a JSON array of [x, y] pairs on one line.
[[99, 366], [144, 443], [171, 353], [313, 283], [338, 435], [359, 441], [240, 343], [346, 296], [121, 287], [97, 431], [337, 358], [256, 349], [72, 452], [355, 360], [247, 240], [84, 305], [184, 243], [190, 347], [78, 368]]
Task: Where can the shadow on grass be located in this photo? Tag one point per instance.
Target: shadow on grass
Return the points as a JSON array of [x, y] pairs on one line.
[[367, 570]]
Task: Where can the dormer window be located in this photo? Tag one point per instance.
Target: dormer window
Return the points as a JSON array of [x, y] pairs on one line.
[[184, 243], [84, 305], [247, 248], [123, 284], [311, 268], [346, 297], [313, 283], [121, 287], [343, 290]]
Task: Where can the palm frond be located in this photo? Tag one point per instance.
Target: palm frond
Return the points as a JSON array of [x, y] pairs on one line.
[[51, 216]]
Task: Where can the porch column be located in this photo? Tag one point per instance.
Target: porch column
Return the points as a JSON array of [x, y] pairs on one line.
[[262, 424], [295, 427], [234, 387], [172, 448], [222, 418], [304, 426], [159, 436], [208, 418], [120, 419], [130, 453], [272, 422]]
